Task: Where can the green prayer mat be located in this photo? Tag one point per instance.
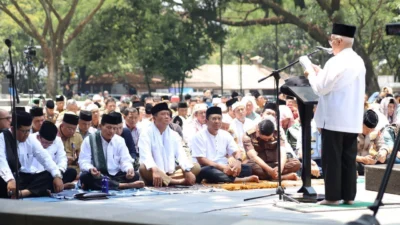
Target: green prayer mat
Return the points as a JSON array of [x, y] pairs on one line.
[[312, 207]]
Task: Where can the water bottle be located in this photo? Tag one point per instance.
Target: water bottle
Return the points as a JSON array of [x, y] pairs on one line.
[[104, 184]]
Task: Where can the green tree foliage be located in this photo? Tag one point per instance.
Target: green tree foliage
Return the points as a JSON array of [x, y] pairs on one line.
[[52, 24], [314, 19]]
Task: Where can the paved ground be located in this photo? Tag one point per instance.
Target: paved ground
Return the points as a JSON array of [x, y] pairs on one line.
[[231, 204]]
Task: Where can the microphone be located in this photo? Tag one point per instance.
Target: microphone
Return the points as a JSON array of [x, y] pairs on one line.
[[8, 42], [327, 50]]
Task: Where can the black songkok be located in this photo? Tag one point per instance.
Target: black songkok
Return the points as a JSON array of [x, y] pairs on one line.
[[48, 131], [71, 118], [36, 111], [85, 115], [159, 107], [344, 30], [371, 119], [213, 110]]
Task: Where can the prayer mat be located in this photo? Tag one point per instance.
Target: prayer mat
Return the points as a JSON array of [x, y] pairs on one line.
[[179, 189], [313, 207], [262, 184]]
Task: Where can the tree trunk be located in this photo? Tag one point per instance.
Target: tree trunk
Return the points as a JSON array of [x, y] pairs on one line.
[[371, 81], [181, 88], [147, 80], [52, 68], [83, 79]]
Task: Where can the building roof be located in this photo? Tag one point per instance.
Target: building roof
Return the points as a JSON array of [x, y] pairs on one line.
[[209, 76]]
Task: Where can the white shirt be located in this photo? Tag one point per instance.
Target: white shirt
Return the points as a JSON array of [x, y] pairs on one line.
[[157, 155], [116, 154], [241, 128], [341, 89], [27, 151], [214, 148], [190, 129], [57, 153]]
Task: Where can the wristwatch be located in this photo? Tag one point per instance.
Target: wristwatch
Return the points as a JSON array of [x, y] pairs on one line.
[[59, 176], [188, 170], [239, 159]]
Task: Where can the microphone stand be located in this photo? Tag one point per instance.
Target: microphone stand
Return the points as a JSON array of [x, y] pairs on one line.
[[279, 190], [14, 98]]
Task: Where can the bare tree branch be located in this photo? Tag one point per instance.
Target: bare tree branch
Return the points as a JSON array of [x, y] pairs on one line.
[[48, 23], [82, 24], [52, 9], [32, 28], [249, 12], [324, 6]]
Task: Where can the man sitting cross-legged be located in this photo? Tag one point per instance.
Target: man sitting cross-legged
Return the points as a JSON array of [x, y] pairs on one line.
[[260, 144], [47, 137], [105, 154], [159, 147], [32, 182], [211, 146]]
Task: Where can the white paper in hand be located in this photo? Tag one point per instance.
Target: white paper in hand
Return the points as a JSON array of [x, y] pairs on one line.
[[307, 64]]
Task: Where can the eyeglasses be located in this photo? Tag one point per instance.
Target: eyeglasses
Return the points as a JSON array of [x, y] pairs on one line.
[[24, 131], [6, 118]]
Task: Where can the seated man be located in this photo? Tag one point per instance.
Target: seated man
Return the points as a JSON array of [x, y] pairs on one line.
[[85, 124], [37, 118], [260, 144], [370, 150], [159, 148], [32, 182], [211, 146], [390, 133], [47, 137], [71, 139], [105, 154]]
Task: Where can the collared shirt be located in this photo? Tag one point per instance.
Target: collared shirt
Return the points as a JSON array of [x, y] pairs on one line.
[[191, 128], [255, 117], [57, 153], [214, 148], [241, 128], [72, 147], [115, 152], [27, 151], [341, 89]]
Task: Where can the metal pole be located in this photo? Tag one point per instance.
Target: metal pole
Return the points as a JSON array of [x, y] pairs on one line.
[[240, 72], [276, 47], [221, 53]]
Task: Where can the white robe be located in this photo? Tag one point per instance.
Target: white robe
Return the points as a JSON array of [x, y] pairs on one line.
[[161, 150], [341, 89], [215, 148], [57, 153], [241, 128], [116, 154], [28, 151]]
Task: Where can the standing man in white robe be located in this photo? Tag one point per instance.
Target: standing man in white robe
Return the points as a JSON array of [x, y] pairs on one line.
[[32, 181], [341, 89], [159, 148], [212, 146]]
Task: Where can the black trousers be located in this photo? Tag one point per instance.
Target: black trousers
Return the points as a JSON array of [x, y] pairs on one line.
[[37, 183], [69, 175], [339, 151], [91, 183], [214, 175]]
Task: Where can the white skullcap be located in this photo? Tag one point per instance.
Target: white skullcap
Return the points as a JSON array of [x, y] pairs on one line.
[[237, 104], [223, 107], [216, 101], [92, 107], [96, 97], [198, 107]]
